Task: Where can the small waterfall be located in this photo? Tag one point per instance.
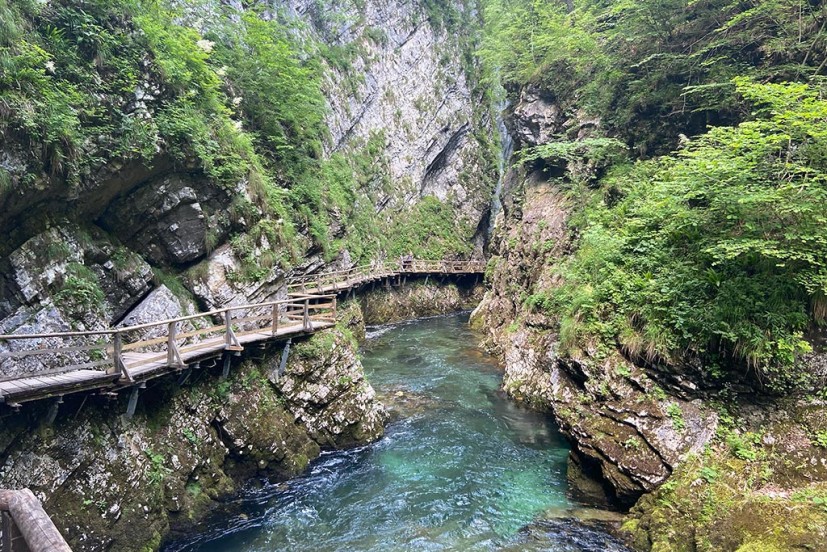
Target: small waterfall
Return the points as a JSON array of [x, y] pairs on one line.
[[506, 150]]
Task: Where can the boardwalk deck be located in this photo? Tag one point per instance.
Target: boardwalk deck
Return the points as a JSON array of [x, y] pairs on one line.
[[311, 306]]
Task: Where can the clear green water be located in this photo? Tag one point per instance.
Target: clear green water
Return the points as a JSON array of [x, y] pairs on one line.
[[460, 468]]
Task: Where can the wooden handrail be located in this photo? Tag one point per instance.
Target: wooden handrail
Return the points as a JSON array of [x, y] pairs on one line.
[[305, 303], [29, 518], [147, 325]]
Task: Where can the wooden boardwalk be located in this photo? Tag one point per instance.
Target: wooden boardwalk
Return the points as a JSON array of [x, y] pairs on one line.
[[56, 364]]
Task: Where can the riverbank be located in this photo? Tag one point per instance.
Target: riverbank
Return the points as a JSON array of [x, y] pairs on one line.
[[461, 466]]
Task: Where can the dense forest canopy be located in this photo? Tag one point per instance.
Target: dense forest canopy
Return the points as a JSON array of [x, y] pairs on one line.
[[715, 247]]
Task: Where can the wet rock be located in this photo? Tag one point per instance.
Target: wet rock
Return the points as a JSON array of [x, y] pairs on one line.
[[567, 535], [326, 392], [418, 298]]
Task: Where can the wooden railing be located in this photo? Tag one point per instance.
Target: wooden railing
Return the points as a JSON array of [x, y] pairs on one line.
[[167, 341], [345, 279], [52, 364], [26, 526]]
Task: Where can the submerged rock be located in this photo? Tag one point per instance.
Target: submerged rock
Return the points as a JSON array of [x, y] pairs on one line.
[[566, 535]]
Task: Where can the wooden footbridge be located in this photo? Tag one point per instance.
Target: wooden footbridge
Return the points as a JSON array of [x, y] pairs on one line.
[[51, 365]]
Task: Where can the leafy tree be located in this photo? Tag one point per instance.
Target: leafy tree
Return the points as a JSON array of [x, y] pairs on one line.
[[718, 251], [653, 69]]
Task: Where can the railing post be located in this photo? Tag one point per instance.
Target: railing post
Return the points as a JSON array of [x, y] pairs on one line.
[[228, 330], [172, 330], [306, 319], [275, 319], [7, 528], [117, 361]]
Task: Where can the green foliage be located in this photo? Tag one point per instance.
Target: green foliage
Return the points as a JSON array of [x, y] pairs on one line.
[[719, 251], [541, 42], [443, 14], [174, 284], [190, 436], [675, 413], [80, 291], [317, 347], [277, 90], [709, 474], [632, 443], [432, 230], [744, 445], [651, 69], [157, 470]]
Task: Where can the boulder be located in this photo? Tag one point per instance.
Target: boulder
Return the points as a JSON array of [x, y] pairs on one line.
[[164, 219]]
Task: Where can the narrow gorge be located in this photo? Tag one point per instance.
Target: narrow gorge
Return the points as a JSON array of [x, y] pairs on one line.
[[644, 186]]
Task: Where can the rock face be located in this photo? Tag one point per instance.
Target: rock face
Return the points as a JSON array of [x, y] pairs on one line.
[[165, 220], [67, 278], [761, 487], [326, 391], [624, 428], [537, 118], [410, 84], [112, 483], [418, 298]]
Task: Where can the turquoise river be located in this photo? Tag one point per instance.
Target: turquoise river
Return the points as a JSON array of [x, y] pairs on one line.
[[461, 467]]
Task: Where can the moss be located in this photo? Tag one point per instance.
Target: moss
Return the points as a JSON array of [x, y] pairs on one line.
[[315, 347], [153, 543], [729, 499]]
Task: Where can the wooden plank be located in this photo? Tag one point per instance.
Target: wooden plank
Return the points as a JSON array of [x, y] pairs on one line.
[[11, 385], [82, 380]]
